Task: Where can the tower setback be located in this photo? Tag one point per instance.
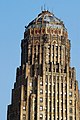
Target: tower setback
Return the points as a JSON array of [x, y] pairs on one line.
[[46, 87]]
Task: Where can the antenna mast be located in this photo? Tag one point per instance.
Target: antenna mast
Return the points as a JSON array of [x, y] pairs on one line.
[[41, 8]]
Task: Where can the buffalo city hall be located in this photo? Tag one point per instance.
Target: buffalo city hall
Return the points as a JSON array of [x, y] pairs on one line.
[[46, 87]]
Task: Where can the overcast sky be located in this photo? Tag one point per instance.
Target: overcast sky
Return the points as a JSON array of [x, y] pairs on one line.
[[14, 15]]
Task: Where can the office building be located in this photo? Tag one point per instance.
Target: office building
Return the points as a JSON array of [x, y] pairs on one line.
[[46, 87]]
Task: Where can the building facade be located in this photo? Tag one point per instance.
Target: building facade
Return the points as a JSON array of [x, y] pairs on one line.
[[46, 87]]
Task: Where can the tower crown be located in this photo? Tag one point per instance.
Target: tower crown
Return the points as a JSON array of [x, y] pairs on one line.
[[46, 23]]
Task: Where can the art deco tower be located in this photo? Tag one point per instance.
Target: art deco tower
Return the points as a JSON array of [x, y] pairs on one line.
[[46, 86]]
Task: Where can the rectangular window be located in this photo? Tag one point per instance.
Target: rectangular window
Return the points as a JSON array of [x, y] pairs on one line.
[[41, 83], [41, 107], [70, 118], [75, 86], [30, 84], [41, 116], [41, 91], [41, 99], [54, 78], [46, 83], [24, 117], [70, 102], [70, 110], [52, 55], [24, 108], [70, 84], [70, 94], [30, 91]]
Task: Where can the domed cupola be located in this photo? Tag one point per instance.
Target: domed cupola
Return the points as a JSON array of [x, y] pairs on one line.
[[46, 23]]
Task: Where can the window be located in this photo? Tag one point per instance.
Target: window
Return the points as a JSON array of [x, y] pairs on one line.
[[75, 86], [70, 84], [62, 78], [46, 83], [41, 107], [41, 99], [46, 91], [30, 91], [53, 69], [24, 117], [70, 110], [70, 118], [70, 94], [48, 46], [54, 77], [41, 116], [49, 83], [24, 107], [41, 91], [30, 84], [52, 54], [40, 82], [70, 102]]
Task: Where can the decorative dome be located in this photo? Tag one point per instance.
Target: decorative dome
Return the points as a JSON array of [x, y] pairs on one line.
[[46, 19], [46, 23]]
